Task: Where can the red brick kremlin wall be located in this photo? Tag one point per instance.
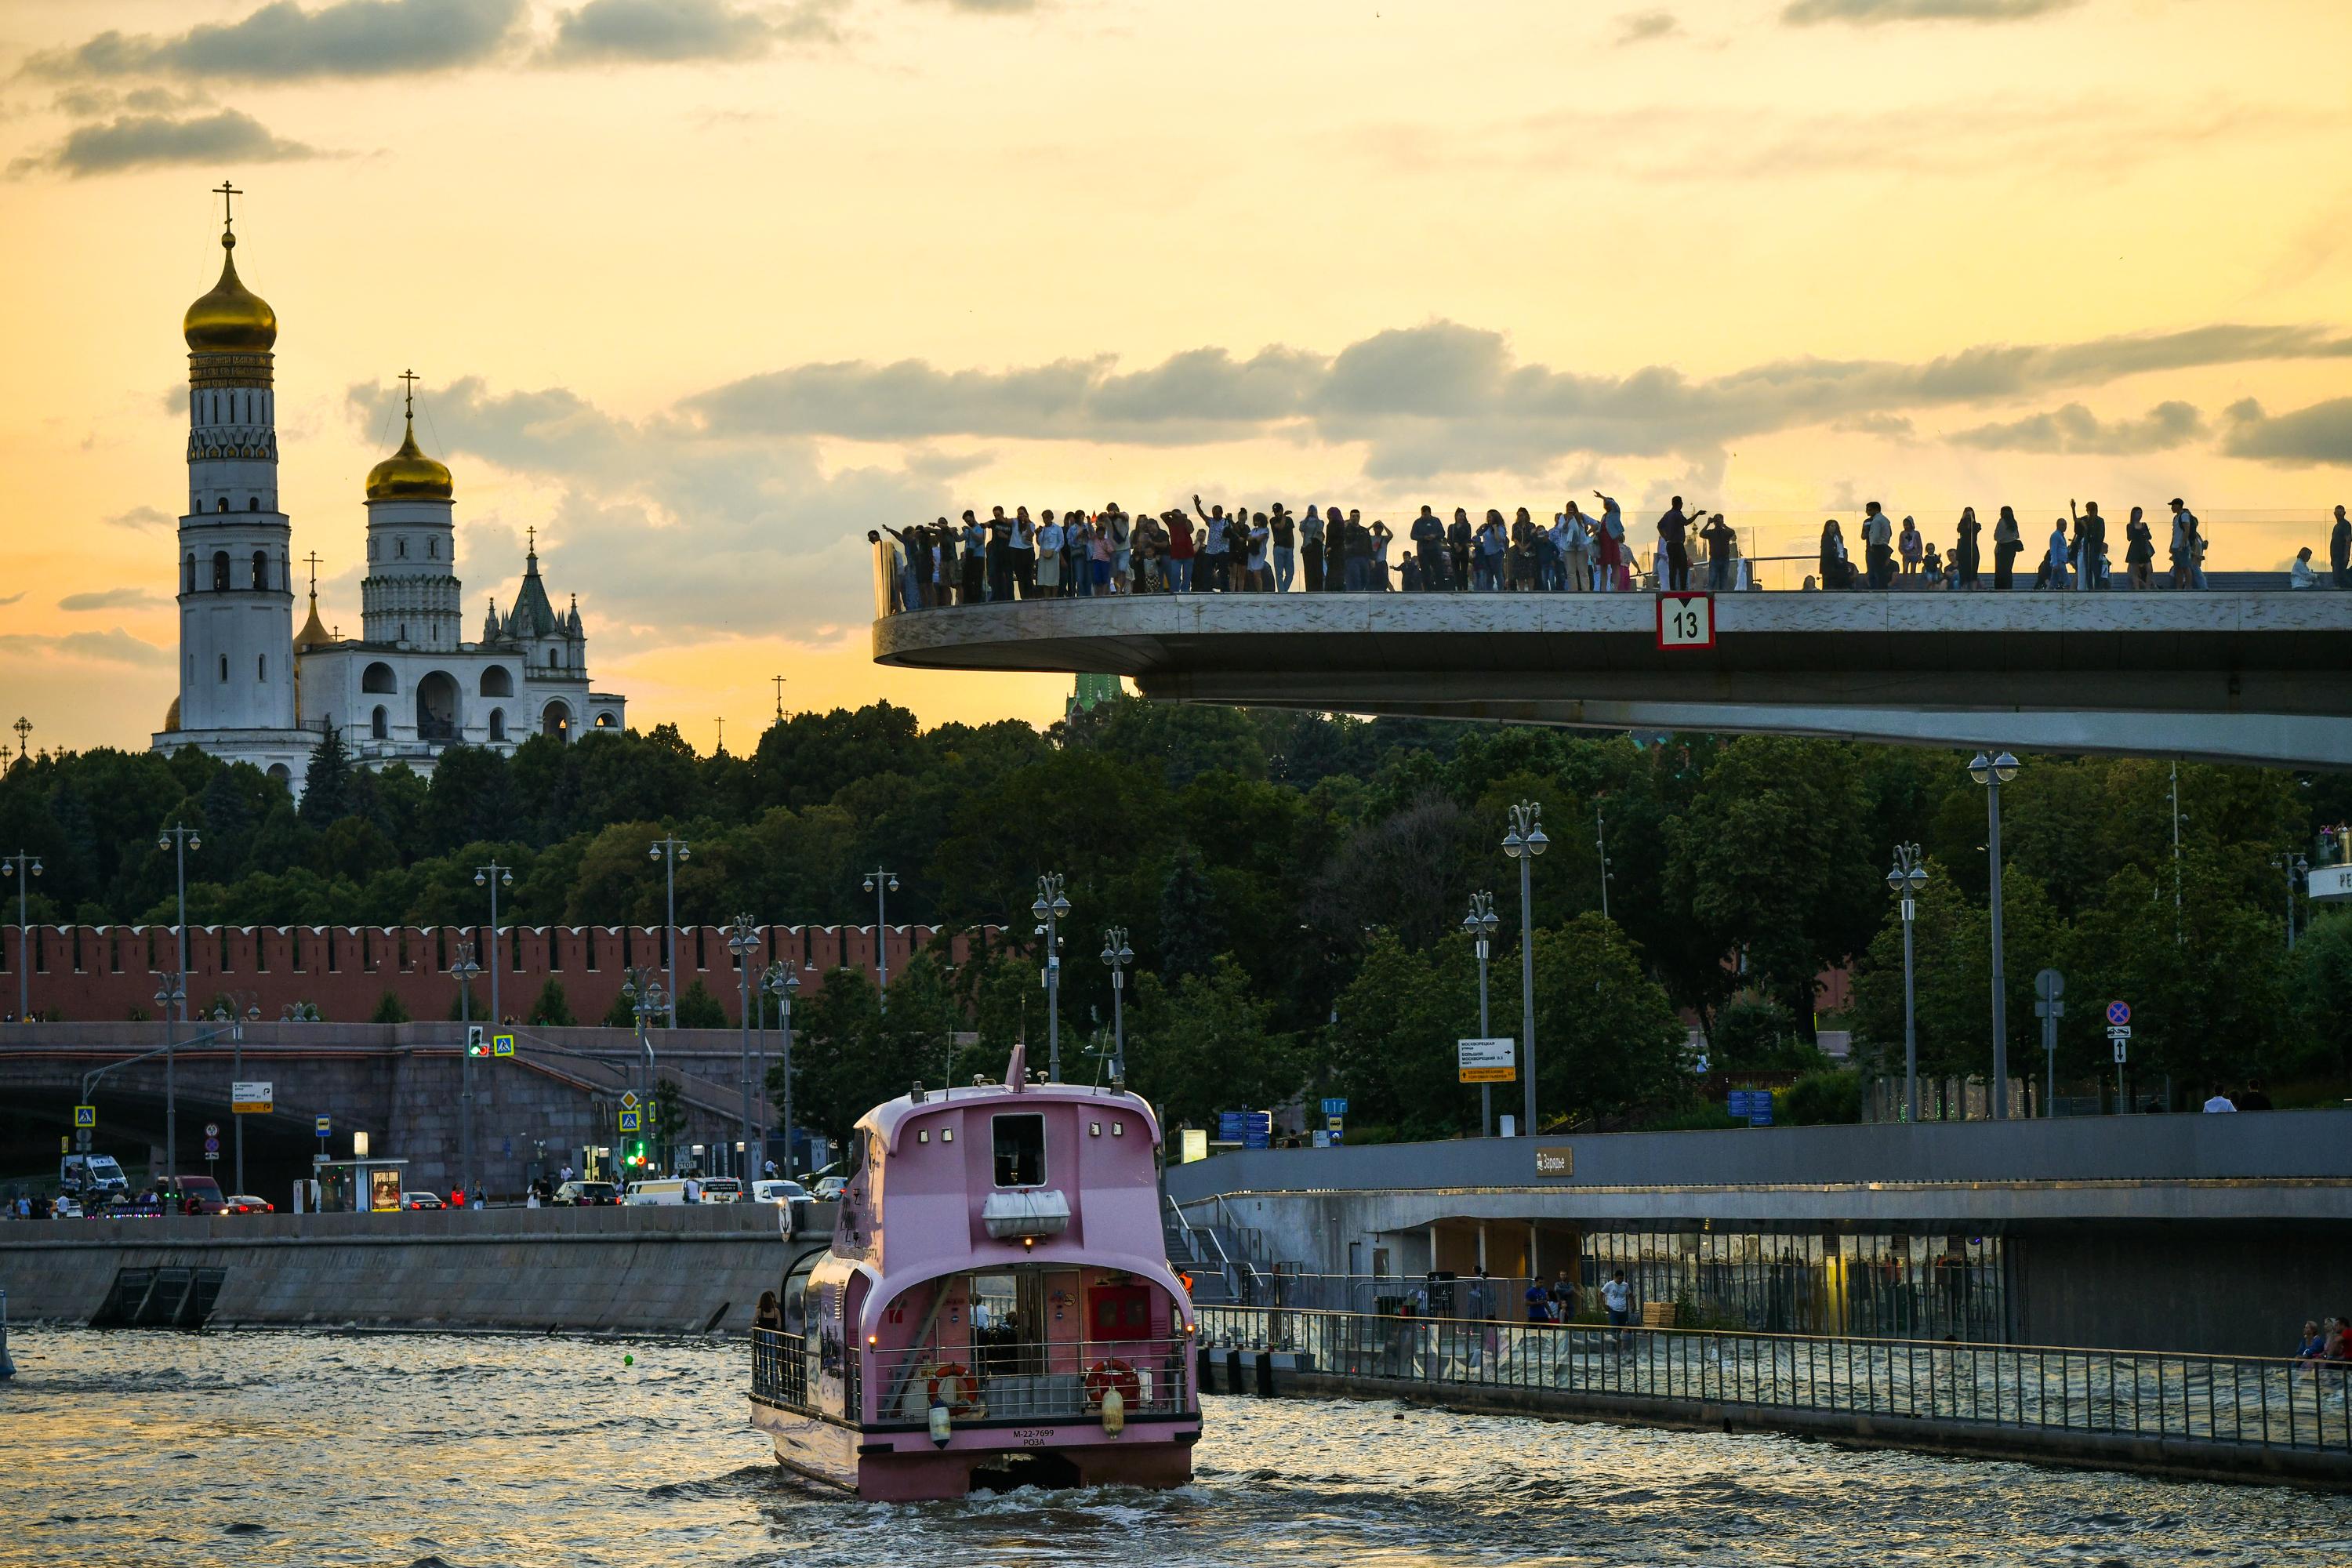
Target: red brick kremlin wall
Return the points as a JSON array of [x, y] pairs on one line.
[[104, 973]]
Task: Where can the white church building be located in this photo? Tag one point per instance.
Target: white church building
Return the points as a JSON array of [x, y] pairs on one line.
[[252, 689]]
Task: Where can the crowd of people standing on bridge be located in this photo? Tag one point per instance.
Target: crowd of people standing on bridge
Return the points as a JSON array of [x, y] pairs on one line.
[[1078, 553]]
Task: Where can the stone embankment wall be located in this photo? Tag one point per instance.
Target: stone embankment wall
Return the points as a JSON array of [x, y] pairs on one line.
[[651, 1270]]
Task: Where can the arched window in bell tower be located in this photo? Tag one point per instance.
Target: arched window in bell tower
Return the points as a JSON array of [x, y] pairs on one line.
[[220, 571], [261, 569], [190, 573]]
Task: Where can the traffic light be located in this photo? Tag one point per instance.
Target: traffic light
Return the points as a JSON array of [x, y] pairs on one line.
[[634, 1151], [476, 1046]]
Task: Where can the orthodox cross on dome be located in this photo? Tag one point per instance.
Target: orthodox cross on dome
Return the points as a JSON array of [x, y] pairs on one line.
[[780, 694], [228, 195], [312, 561], [530, 539], [409, 396], [721, 749]]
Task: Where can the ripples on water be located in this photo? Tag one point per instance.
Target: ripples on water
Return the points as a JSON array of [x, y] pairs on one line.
[[267, 1448]]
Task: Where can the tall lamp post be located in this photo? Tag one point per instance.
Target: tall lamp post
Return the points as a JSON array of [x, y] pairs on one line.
[[1050, 907], [1992, 772], [2295, 865], [881, 884], [670, 849], [23, 867], [1601, 843], [171, 992], [783, 985], [1523, 842], [494, 877], [463, 972], [1905, 879], [1481, 922], [743, 940], [645, 998], [1118, 955], [180, 838]]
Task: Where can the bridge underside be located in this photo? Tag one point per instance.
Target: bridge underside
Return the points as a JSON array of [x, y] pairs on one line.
[[2250, 677]]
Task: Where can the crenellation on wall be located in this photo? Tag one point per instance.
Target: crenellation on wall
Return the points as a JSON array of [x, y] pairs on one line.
[[108, 973]]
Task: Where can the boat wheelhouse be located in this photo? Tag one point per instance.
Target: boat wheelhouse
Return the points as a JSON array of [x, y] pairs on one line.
[[996, 1307]]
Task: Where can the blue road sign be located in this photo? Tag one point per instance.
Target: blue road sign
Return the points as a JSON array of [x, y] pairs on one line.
[[324, 1125], [212, 1145], [629, 1121], [85, 1116], [501, 1045], [2118, 1012], [1335, 1107]]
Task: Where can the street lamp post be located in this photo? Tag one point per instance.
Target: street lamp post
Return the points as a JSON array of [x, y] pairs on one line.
[[2295, 865], [1992, 772], [1601, 843], [235, 1076], [180, 838], [23, 867], [463, 972], [743, 940], [670, 851], [1523, 842], [881, 884], [783, 985], [172, 992], [494, 877], [645, 998], [1907, 878], [1481, 922], [1118, 955], [1050, 907]]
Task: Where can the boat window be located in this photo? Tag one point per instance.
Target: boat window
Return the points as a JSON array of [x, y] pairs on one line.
[[1021, 1150]]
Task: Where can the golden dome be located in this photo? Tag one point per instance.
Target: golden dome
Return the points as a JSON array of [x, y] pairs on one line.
[[312, 635], [231, 318], [172, 717], [409, 475]]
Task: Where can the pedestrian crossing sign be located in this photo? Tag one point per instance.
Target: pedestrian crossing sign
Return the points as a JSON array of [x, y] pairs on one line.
[[502, 1044], [85, 1116], [628, 1122]]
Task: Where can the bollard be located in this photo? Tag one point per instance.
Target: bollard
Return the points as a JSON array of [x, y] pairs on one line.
[[1234, 1383], [1266, 1374], [1208, 1371]]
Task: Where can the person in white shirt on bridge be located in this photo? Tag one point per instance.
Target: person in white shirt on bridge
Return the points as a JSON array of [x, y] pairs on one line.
[[2058, 555]]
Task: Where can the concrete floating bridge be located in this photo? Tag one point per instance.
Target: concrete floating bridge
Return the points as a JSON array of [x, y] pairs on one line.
[[2231, 675]]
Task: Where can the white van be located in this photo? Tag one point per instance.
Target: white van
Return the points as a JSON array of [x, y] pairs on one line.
[[721, 1190], [666, 1190]]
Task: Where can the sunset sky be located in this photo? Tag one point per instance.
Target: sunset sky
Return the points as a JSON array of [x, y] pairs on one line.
[[705, 288]]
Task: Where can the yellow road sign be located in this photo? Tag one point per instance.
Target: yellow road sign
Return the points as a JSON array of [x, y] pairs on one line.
[[85, 1116]]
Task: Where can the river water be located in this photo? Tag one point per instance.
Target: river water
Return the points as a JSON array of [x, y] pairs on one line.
[[281, 1447]]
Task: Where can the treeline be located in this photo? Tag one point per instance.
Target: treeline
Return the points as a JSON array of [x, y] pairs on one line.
[[1293, 886]]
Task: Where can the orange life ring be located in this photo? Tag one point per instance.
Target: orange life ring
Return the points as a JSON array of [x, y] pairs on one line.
[[1107, 1375], [960, 1376]]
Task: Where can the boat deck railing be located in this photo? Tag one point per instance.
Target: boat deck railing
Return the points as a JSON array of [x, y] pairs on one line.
[[2256, 1401], [780, 1367], [1055, 1380]]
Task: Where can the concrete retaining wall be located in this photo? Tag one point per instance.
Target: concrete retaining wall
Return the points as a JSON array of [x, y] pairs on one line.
[[658, 1271]]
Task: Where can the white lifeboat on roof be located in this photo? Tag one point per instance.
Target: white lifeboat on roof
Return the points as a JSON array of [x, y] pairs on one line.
[[1031, 1213]]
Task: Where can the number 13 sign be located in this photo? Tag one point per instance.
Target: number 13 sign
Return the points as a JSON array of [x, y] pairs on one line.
[[1686, 620]]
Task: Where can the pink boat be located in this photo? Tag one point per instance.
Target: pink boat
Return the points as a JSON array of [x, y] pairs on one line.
[[996, 1307]]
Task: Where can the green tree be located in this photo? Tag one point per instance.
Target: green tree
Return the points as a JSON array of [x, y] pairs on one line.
[[698, 1009], [1755, 1033], [389, 1009], [621, 1015], [327, 788], [552, 1010], [1202, 1044]]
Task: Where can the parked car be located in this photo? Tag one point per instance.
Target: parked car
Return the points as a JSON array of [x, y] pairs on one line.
[[586, 1194], [830, 1187], [422, 1201], [663, 1191], [721, 1190], [245, 1203], [195, 1194], [777, 1191]]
